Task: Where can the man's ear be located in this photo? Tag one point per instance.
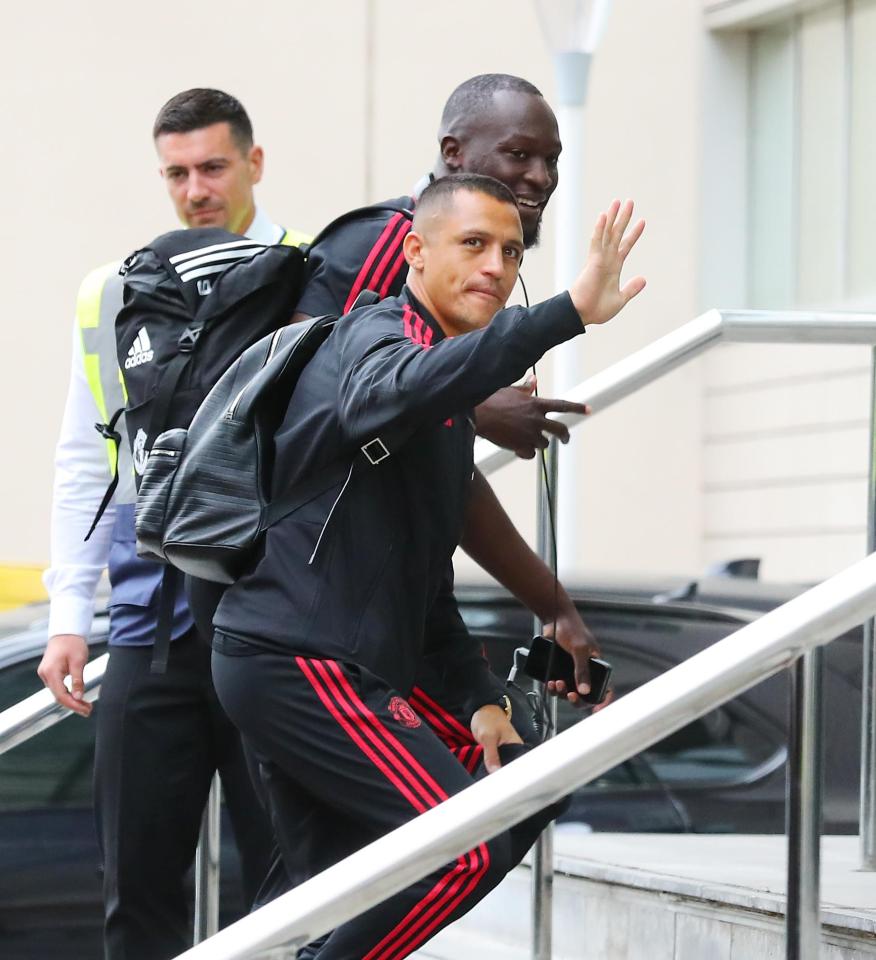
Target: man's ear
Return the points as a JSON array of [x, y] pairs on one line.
[[256, 161], [451, 153], [413, 248]]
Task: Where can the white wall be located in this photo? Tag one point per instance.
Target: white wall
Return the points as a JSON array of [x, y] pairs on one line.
[[83, 84]]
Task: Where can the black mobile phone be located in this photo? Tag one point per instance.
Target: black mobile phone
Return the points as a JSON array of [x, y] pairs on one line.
[[543, 652]]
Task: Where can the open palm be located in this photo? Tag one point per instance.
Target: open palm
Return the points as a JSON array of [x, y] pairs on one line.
[[596, 293]]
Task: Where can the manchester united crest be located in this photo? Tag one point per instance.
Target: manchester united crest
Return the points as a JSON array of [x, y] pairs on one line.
[[402, 711]]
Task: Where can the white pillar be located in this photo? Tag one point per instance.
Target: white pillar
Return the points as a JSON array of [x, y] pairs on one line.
[[572, 69]]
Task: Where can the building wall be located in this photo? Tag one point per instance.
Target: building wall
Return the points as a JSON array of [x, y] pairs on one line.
[[346, 97], [786, 428]]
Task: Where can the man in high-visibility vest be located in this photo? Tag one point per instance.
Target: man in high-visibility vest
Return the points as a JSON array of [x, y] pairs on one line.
[[159, 737]]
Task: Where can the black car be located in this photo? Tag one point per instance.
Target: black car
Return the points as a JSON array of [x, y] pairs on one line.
[[722, 773], [50, 883]]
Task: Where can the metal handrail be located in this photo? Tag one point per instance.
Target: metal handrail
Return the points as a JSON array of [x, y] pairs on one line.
[[688, 342], [576, 756], [40, 711]]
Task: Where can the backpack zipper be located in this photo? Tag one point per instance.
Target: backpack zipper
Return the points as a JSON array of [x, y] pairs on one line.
[[275, 339]]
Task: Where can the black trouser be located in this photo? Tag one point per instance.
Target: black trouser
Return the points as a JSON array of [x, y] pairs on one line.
[[160, 739], [345, 760]]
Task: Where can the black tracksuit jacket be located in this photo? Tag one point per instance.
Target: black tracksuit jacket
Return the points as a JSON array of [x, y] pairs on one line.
[[377, 588]]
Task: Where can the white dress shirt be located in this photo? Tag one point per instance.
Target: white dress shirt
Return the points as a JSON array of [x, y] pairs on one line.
[[82, 475]]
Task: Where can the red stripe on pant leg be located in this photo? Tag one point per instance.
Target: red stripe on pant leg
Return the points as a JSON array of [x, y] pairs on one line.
[[377, 276], [393, 273], [439, 920], [358, 717], [477, 753], [416, 802], [447, 716], [451, 737], [372, 256], [431, 920], [390, 738], [439, 720], [447, 886]]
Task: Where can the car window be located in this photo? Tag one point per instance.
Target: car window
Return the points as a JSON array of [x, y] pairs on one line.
[[51, 769], [720, 747]]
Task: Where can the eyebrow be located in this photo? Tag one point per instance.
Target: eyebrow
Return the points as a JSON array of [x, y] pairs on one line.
[[486, 235], [524, 139], [174, 167]]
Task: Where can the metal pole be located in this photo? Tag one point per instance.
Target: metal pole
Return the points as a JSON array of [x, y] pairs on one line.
[[868, 677], [805, 775], [207, 866], [543, 851]]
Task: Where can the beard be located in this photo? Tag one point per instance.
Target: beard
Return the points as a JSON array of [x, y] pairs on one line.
[[532, 237]]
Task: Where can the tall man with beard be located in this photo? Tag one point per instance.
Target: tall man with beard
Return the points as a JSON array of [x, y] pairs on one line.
[[500, 126]]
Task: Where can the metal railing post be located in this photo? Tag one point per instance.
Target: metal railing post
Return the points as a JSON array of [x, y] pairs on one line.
[[867, 827], [805, 778], [207, 866], [543, 851]]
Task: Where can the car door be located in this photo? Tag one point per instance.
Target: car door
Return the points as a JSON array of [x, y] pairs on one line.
[[50, 886]]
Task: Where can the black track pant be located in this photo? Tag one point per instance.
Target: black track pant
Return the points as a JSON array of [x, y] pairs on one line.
[[345, 760], [160, 739]]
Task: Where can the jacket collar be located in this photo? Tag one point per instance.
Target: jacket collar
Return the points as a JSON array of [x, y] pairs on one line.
[[419, 311]]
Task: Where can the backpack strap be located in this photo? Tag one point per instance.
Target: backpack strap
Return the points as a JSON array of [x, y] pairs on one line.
[[108, 432], [374, 453], [170, 379], [358, 214], [164, 622]]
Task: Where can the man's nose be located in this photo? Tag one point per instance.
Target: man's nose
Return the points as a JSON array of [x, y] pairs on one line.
[[493, 263], [539, 174], [196, 188]]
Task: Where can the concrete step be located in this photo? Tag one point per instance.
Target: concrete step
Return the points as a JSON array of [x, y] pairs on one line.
[[648, 897]]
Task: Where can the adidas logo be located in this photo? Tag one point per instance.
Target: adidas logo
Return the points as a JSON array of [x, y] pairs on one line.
[[141, 350]]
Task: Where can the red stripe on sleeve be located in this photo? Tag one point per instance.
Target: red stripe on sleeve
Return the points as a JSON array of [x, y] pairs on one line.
[[391, 249], [369, 260], [393, 273]]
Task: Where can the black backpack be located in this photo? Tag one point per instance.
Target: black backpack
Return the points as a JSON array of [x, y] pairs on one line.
[[194, 300], [205, 499]]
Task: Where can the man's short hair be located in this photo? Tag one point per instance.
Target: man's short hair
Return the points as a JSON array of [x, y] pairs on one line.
[[440, 192], [474, 96], [202, 107]]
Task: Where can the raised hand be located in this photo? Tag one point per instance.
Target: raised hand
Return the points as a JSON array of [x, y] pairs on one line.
[[596, 293]]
